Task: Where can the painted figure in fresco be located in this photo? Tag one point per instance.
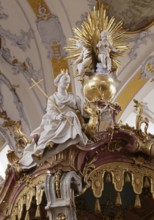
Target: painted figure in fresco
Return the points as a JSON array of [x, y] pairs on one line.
[[104, 49], [84, 60], [59, 126]]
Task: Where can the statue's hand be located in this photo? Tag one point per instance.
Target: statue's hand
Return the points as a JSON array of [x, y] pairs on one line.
[[36, 138], [60, 116]]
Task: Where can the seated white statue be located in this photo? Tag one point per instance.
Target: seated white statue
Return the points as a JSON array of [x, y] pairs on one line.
[[60, 125], [83, 61], [104, 49]]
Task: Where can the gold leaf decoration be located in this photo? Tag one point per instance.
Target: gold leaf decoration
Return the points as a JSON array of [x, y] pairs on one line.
[[89, 35]]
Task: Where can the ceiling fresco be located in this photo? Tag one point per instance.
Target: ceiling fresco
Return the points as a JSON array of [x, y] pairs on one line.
[[136, 15]]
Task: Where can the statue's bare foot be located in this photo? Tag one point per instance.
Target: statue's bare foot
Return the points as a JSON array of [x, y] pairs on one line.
[[37, 155]]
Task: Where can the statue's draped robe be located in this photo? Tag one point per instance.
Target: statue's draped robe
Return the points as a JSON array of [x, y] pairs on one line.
[[60, 132]]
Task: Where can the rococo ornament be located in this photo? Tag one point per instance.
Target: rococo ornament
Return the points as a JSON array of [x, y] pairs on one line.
[[79, 147]]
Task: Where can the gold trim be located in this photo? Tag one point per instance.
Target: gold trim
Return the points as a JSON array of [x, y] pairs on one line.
[[141, 29], [41, 9], [31, 188], [118, 170]]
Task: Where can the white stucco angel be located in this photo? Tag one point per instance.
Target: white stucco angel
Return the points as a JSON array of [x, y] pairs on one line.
[[84, 60], [59, 126], [104, 49]]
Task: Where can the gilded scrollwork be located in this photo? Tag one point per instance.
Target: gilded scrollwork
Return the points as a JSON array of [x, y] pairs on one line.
[[58, 175], [98, 184], [31, 190], [118, 179], [137, 182], [91, 128], [143, 142], [20, 137], [88, 167], [15, 137], [140, 118], [97, 119], [119, 172]]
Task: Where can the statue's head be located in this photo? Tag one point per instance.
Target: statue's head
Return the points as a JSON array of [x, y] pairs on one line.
[[104, 34], [63, 79]]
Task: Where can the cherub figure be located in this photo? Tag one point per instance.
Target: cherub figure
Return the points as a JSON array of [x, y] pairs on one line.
[[84, 60], [104, 49]]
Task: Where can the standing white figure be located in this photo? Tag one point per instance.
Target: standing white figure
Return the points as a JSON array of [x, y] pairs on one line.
[[83, 61], [55, 127], [104, 49]]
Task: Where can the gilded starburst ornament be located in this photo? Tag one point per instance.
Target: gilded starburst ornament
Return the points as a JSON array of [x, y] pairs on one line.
[[90, 34]]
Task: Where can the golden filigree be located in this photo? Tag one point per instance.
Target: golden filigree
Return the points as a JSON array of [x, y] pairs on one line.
[[12, 157], [144, 142], [91, 128], [117, 178], [20, 138], [97, 184], [140, 118], [15, 128], [137, 182], [137, 177], [65, 160], [32, 188], [58, 175], [88, 167]]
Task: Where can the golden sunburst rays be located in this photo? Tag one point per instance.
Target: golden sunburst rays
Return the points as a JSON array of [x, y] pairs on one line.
[[89, 35]]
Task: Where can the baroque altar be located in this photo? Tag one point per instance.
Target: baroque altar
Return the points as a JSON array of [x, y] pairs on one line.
[[81, 163]]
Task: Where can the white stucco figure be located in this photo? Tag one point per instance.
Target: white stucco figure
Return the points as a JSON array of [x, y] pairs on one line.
[[104, 49], [83, 61], [60, 126]]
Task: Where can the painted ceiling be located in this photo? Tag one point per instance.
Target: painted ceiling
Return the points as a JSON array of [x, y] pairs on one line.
[[33, 34], [135, 14]]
